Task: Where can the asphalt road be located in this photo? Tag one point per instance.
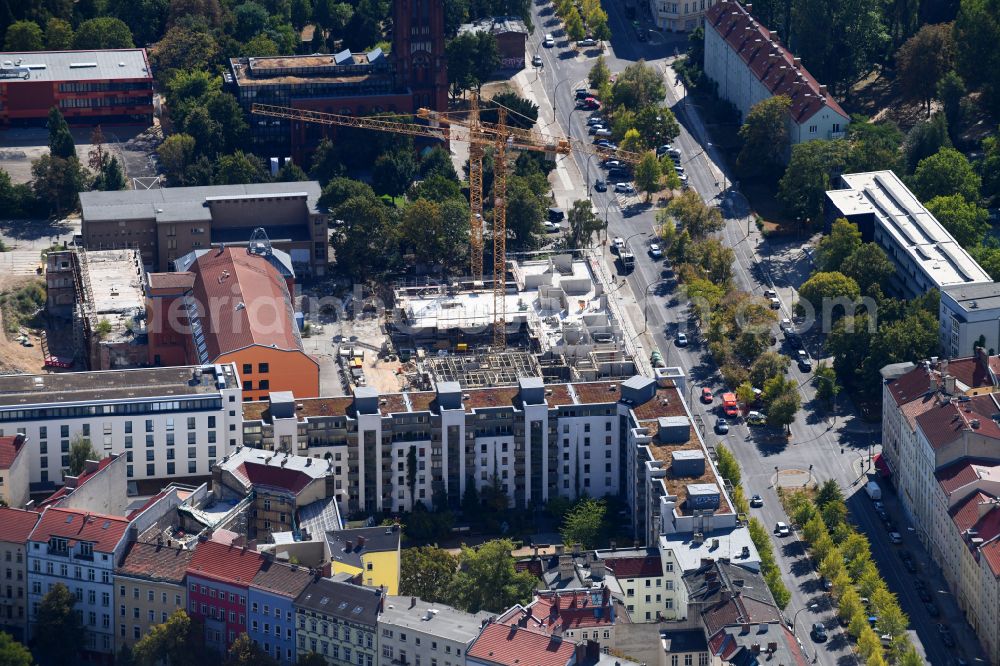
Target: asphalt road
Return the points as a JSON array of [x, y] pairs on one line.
[[829, 446]]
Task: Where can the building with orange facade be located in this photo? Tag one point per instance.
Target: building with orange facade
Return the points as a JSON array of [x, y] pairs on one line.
[[232, 304], [89, 87]]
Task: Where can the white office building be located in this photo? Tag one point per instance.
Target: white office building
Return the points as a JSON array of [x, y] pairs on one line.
[[969, 317], [413, 631], [170, 422]]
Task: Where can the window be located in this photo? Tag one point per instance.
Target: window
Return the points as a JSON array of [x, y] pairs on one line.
[[813, 129], [835, 128], [247, 368], [262, 368]]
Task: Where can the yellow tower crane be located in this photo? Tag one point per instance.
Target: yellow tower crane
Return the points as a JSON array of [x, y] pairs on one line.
[[478, 134]]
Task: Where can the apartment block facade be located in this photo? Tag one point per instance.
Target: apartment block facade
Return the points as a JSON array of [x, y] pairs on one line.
[[16, 526], [271, 621], [169, 422], [13, 470], [679, 16], [413, 631], [218, 581], [150, 587], [339, 621]]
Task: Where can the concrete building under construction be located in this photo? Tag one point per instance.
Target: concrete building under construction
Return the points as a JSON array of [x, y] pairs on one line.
[[560, 323]]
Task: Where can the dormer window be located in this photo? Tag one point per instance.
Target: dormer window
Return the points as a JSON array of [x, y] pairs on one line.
[[86, 551], [58, 546]]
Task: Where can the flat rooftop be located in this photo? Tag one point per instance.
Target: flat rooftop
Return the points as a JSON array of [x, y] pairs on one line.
[[116, 288], [911, 226], [973, 297], [342, 67], [114, 64], [717, 544], [105, 385], [174, 204]]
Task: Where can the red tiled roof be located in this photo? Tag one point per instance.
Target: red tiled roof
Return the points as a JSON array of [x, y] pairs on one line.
[[635, 567], [80, 480], [970, 372], [991, 552], [16, 524], [966, 513], [532, 566], [283, 579], [552, 611], [155, 562], [228, 277], [518, 646], [945, 423], [105, 532], [173, 281], [962, 473], [272, 475], [226, 564], [910, 386], [10, 446], [772, 64]]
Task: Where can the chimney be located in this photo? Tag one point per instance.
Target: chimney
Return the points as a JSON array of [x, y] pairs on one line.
[[726, 596], [943, 366], [361, 542], [984, 358], [772, 647], [949, 384], [348, 546], [565, 567], [529, 611], [933, 381], [749, 8], [822, 89], [744, 628], [755, 648], [597, 568], [581, 652]]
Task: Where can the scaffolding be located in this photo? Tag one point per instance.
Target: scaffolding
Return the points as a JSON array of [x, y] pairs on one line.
[[483, 370]]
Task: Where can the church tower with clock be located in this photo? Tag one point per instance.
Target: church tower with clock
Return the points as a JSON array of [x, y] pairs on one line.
[[418, 51]]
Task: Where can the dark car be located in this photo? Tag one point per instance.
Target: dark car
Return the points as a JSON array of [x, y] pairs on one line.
[[924, 595], [911, 566], [818, 632], [905, 555], [600, 185], [756, 501], [582, 93], [932, 610], [721, 426], [948, 639]]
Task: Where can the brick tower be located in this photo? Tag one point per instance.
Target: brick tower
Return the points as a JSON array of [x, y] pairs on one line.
[[418, 49]]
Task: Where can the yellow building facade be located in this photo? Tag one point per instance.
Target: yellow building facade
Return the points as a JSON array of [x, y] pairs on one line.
[[370, 553]]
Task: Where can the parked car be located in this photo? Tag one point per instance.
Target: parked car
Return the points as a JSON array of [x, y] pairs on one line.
[[595, 120], [600, 185], [786, 326], [706, 396], [774, 303], [603, 143], [550, 227], [924, 595], [654, 251], [818, 632], [826, 583], [662, 150], [782, 530], [549, 41], [624, 188], [756, 418], [911, 566], [591, 103], [721, 426], [756, 501], [895, 537], [589, 41], [602, 132], [611, 164], [674, 152], [617, 244], [536, 61], [594, 129], [805, 363], [932, 609], [681, 340], [582, 93]]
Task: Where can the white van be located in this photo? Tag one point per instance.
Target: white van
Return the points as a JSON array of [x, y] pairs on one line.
[[549, 41]]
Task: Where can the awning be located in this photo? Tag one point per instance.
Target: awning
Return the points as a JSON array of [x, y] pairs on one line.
[[883, 466]]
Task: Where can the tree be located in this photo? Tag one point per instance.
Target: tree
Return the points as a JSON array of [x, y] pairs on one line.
[[238, 168], [58, 182], [827, 286], [250, 19], [945, 173], [809, 175], [814, 529], [599, 73], [245, 652], [436, 234], [637, 86], [105, 32], [923, 60], [869, 643], [874, 146], [340, 189], [648, 174], [146, 19], [827, 387], [364, 29], [869, 266], [584, 523], [394, 171], [427, 572], [461, 53], [525, 211], [486, 579], [311, 659], [61, 142], [769, 364], [831, 251], [260, 45], [58, 632], [583, 224], [829, 491], [182, 50], [177, 642], [13, 653], [694, 216], [977, 46], [111, 177], [783, 409], [364, 242], [80, 451], [765, 136], [926, 138], [728, 466], [176, 152], [951, 91], [964, 220], [838, 40], [24, 36], [521, 113], [437, 163], [58, 35], [849, 604], [657, 125], [290, 172], [574, 25]]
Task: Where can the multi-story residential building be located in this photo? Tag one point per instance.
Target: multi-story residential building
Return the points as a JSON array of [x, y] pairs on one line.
[[749, 65], [413, 631], [169, 422], [680, 16], [926, 256], [13, 471], [413, 75], [88, 87], [15, 528], [101, 487], [536, 440], [150, 587], [339, 621], [635, 576], [79, 550], [943, 440], [502, 645], [279, 485], [218, 581], [166, 224], [370, 553], [235, 307], [577, 615], [969, 317], [272, 615]]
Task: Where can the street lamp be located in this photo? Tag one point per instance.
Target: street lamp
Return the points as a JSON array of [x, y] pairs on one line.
[[645, 300], [555, 92], [812, 607], [589, 157], [641, 233], [611, 200]]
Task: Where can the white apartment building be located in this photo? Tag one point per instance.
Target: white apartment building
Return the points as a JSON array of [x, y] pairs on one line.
[[79, 550], [413, 631], [749, 65], [969, 317], [942, 437], [926, 256], [170, 422], [680, 16]]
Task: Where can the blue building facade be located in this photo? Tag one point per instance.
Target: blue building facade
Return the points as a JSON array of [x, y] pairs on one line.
[[270, 616]]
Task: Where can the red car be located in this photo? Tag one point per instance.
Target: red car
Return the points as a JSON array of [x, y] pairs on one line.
[[706, 396]]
